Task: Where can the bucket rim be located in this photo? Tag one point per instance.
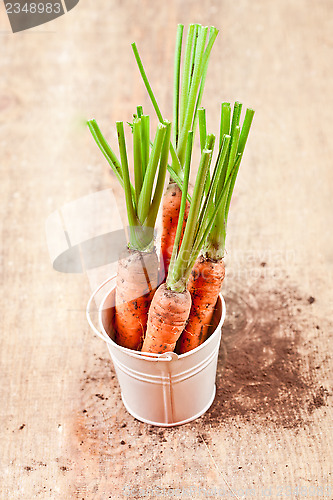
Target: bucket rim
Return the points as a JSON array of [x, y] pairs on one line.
[[167, 356]]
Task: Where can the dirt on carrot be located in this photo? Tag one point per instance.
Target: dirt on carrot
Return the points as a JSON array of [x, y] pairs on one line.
[[137, 280], [170, 213], [204, 286], [166, 320]]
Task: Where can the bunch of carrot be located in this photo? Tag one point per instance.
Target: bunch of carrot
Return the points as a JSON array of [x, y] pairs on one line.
[[137, 276], [177, 314]]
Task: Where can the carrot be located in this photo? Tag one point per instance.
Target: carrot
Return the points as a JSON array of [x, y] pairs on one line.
[[189, 82], [204, 286], [170, 215], [167, 316], [171, 303], [137, 275], [209, 271], [137, 280]]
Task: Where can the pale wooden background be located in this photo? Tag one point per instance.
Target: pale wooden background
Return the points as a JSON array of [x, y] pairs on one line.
[[273, 56]]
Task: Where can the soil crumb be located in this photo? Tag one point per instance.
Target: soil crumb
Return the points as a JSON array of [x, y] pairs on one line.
[[266, 363]]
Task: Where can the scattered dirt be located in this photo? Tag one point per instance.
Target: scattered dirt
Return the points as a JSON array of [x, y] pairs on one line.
[[266, 370]]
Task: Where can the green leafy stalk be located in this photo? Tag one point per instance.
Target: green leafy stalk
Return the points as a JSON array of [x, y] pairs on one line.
[[138, 174], [192, 85], [192, 98], [203, 135], [232, 184], [202, 127], [213, 32], [197, 29], [175, 160], [245, 130], [145, 143], [233, 148], [236, 116], [225, 121], [145, 195], [180, 265], [108, 153], [151, 217], [141, 207], [132, 219], [221, 219], [146, 82], [139, 111], [216, 239], [178, 180], [176, 82], [187, 164], [209, 206], [221, 201], [187, 68]]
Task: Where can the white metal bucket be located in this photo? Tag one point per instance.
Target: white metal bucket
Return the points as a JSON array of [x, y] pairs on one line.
[[162, 389]]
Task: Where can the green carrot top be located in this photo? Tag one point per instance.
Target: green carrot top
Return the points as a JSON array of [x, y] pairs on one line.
[[150, 164], [188, 86]]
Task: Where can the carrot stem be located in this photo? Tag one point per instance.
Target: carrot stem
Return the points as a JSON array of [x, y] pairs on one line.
[[107, 152], [178, 180], [203, 135], [178, 270], [193, 80], [175, 160], [186, 72], [139, 111], [233, 148], [146, 82], [235, 116], [197, 73], [225, 121], [182, 206], [202, 127], [197, 29], [145, 194], [132, 219], [145, 143], [216, 242], [208, 207], [153, 210], [213, 32], [245, 129], [138, 174], [176, 83], [200, 242]]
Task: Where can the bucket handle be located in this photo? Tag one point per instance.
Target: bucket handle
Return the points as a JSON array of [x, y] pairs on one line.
[[166, 356], [92, 326]]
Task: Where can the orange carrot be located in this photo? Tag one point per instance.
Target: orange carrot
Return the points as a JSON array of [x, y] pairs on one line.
[[209, 271], [170, 214], [190, 70], [137, 276], [167, 316], [204, 285], [136, 285], [171, 303]]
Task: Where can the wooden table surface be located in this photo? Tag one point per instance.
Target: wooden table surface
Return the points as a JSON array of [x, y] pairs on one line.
[[64, 430]]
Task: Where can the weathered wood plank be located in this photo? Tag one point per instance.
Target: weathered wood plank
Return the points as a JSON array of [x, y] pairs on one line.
[[65, 432]]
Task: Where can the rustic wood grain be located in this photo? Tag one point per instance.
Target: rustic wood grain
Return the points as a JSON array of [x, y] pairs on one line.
[[64, 431]]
